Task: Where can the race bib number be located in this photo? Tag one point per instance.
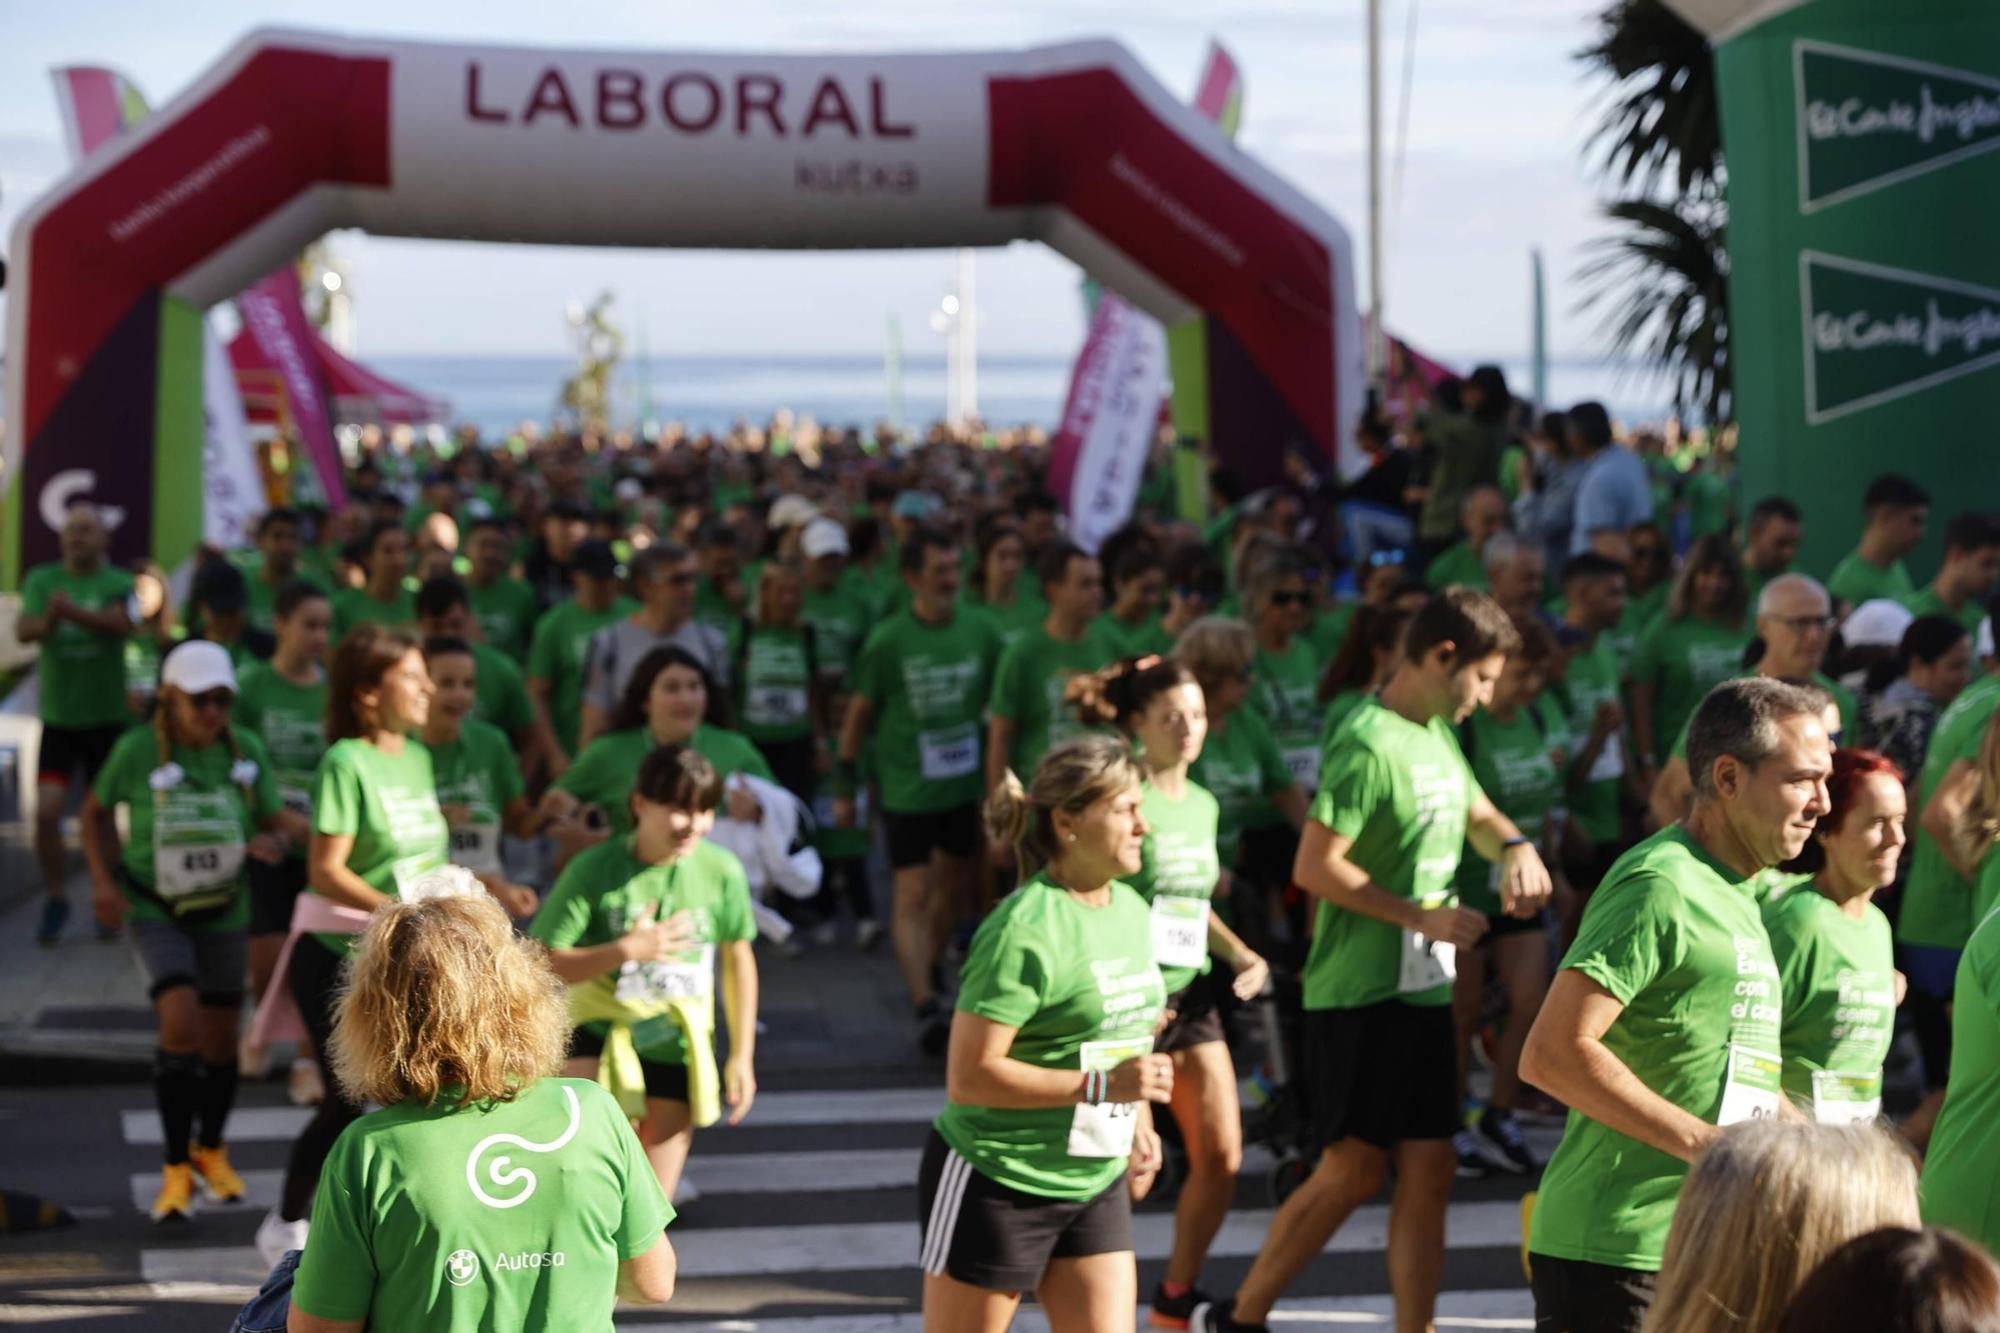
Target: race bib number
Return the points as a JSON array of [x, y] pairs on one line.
[[1425, 963], [949, 753], [1180, 931], [689, 977], [197, 859], [776, 706], [1303, 764], [1846, 1099], [477, 847], [1750, 1090], [1106, 1130]]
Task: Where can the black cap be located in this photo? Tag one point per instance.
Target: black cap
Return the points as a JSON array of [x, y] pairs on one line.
[[597, 559]]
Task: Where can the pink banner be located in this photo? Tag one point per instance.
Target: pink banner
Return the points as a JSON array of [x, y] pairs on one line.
[[1101, 451], [278, 337]]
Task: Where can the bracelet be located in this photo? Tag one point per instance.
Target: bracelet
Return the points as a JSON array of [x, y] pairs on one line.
[[1513, 842], [1095, 1082]]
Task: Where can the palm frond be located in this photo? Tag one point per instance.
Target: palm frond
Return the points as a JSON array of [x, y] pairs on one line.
[[1659, 119], [1662, 282]]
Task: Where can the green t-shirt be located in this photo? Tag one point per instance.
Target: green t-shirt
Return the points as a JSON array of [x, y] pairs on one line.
[[607, 891], [1241, 765], [604, 773], [506, 1215], [1676, 938], [1400, 791], [1027, 611], [1960, 1189], [1937, 900], [263, 604], [1640, 611], [1079, 986], [1843, 703], [1986, 885], [500, 695], [1178, 860], [1329, 630], [840, 622], [478, 777], [1709, 498], [186, 845], [1028, 688], [559, 655], [774, 684], [1854, 581], [81, 675], [1590, 682], [354, 606], [1926, 602], [1457, 563], [1338, 710], [291, 721], [1684, 659], [1284, 690], [1120, 639], [505, 610], [928, 685], [1519, 765], [1837, 979], [388, 804]]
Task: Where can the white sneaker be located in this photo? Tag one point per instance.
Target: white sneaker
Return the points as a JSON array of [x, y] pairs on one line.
[[685, 1192], [275, 1236], [252, 1061], [867, 934], [303, 1085]]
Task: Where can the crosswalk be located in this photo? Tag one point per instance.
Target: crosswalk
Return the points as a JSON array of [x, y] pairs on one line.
[[798, 1231]]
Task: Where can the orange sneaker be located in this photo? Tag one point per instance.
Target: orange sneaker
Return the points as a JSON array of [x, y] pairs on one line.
[[176, 1196], [218, 1178]]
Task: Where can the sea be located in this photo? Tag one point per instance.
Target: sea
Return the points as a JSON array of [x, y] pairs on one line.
[[498, 393]]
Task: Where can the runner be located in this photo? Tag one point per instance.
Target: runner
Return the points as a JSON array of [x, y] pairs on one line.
[[80, 612], [478, 779], [1051, 1070], [219, 611], [1694, 644], [1027, 713], [444, 610], [1395, 805], [199, 799], [1482, 516], [504, 605], [383, 599], [1964, 581], [1130, 623], [283, 703], [1366, 659], [559, 658], [782, 700], [1649, 581], [1159, 705], [664, 578], [643, 916], [277, 566], [1771, 542], [1002, 585], [1836, 959], [1593, 602], [1961, 1180], [1663, 1023], [922, 680], [1897, 512]]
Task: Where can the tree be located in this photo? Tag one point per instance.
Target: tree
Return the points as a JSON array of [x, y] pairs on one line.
[[1662, 276]]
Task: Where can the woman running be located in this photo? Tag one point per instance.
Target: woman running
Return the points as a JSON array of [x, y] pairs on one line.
[[1160, 706], [784, 705], [201, 798], [1051, 1066], [648, 911], [477, 773]]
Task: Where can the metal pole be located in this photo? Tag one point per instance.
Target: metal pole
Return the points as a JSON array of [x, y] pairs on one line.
[[1377, 342], [968, 338]]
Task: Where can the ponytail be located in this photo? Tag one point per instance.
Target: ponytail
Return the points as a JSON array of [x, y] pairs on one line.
[[1121, 692], [1071, 777]]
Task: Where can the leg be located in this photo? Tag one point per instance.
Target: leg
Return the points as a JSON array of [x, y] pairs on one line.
[[1205, 1108], [1424, 1171], [1349, 1174], [219, 1025], [667, 1132], [1522, 962], [50, 796], [953, 885], [314, 974], [1098, 1293], [951, 1306], [177, 1068], [912, 930], [1468, 994]]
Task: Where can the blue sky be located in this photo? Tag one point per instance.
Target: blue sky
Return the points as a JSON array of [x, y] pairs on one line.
[[1493, 165]]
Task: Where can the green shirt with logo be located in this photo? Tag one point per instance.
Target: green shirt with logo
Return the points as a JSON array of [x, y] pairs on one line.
[[1960, 1189], [1242, 767], [1284, 690], [1078, 984], [291, 721], [1854, 581], [478, 776], [1519, 765], [1591, 682], [928, 685], [559, 655], [774, 683], [1683, 659], [604, 773], [505, 610], [1675, 937], [1178, 859], [1028, 690], [388, 804], [1937, 900], [81, 673], [1837, 977], [470, 1219]]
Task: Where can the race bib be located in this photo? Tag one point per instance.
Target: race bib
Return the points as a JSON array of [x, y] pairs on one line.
[[1425, 963], [197, 858], [477, 847], [1303, 764], [1106, 1130], [1846, 1099], [1180, 931], [952, 752], [1610, 762], [1750, 1090], [776, 706], [689, 977]]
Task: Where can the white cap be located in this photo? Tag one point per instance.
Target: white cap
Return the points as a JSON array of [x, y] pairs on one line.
[[197, 666], [1876, 623], [823, 536], [446, 881], [1982, 642], [788, 511], [629, 489]]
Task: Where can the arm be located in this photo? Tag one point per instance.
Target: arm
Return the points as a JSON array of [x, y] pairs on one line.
[[860, 712], [1671, 793], [646, 1279], [1944, 814], [1645, 697], [100, 854], [1525, 884], [112, 620], [1252, 972], [538, 695], [1567, 1058], [739, 1003], [1323, 870], [327, 873], [979, 1072], [999, 748], [1604, 730], [298, 1321], [593, 724], [1292, 803]]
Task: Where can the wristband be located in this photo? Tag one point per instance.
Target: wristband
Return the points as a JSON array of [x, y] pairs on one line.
[[1513, 842], [1094, 1083]]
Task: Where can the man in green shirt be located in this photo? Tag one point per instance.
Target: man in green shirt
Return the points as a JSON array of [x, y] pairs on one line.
[[1772, 542], [923, 679], [78, 611], [840, 620], [503, 605], [1897, 510], [1027, 712], [1593, 588], [1380, 851], [444, 611], [1481, 517], [277, 565], [382, 599], [1663, 1024], [558, 662], [1965, 580]]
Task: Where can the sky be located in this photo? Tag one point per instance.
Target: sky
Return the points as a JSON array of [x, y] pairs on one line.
[[1493, 163]]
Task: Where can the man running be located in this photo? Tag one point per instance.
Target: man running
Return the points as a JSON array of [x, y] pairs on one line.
[[663, 579], [1662, 1025]]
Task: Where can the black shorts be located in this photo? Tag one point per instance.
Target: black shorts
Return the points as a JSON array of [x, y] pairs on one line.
[[666, 1080], [1196, 1020], [67, 751], [1501, 925], [1575, 1296], [273, 891], [1384, 1074], [977, 1231], [912, 838]]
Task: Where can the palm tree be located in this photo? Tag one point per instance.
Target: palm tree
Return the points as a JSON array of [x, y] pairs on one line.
[[1662, 276]]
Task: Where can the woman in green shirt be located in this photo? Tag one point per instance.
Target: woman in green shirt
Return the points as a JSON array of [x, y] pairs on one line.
[[782, 704], [201, 800], [1051, 1069], [1285, 672], [655, 907], [1367, 657], [1694, 645], [477, 773], [1002, 588], [1160, 706], [487, 1193]]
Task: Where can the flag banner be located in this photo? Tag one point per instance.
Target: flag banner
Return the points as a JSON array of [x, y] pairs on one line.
[[1101, 450]]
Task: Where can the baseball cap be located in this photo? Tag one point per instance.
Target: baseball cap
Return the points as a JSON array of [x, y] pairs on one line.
[[196, 666], [1876, 623], [789, 511], [823, 536], [596, 559]]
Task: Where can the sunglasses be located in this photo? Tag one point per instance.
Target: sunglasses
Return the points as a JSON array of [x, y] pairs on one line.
[[1202, 592], [1291, 599], [219, 699]]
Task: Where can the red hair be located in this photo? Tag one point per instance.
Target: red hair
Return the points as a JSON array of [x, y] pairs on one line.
[[1850, 766]]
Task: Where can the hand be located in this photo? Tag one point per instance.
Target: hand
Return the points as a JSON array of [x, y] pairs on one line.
[[1225, 883], [1143, 1078], [558, 762], [1457, 926], [743, 805], [59, 605], [1144, 1164], [1902, 987], [739, 1086], [456, 815], [843, 811], [1608, 719], [107, 904], [519, 900], [268, 848], [656, 941], [1525, 885], [573, 835], [1252, 975]]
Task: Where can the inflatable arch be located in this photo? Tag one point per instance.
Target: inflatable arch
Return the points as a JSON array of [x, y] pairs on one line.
[[293, 134]]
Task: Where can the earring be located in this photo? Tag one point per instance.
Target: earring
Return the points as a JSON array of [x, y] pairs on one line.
[[1072, 837]]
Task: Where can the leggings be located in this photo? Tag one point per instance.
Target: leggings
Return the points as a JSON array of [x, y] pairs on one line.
[[314, 976]]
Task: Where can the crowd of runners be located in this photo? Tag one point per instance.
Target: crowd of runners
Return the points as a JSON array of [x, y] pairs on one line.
[[1574, 799]]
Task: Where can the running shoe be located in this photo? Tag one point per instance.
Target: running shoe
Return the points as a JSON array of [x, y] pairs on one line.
[[276, 1236], [1501, 1142], [1472, 1163], [825, 935], [55, 915], [252, 1060], [1214, 1317], [867, 934], [175, 1200], [1176, 1311], [686, 1192], [304, 1086], [219, 1180], [108, 933], [933, 1028]]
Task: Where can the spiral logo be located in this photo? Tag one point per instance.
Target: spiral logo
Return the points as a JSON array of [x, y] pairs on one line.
[[502, 1174]]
